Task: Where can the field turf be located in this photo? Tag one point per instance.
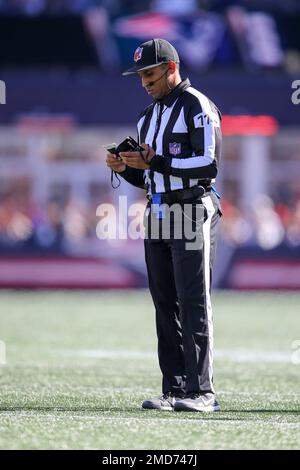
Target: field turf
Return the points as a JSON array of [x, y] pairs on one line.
[[79, 364]]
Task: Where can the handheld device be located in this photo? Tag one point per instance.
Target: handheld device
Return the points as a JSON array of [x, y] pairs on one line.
[[111, 148], [129, 145]]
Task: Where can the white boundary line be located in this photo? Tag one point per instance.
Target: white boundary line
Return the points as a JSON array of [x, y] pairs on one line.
[[235, 355]]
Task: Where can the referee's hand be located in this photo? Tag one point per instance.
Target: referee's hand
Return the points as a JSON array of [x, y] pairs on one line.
[[114, 163], [137, 159]]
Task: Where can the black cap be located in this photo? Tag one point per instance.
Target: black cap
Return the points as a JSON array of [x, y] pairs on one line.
[[152, 53]]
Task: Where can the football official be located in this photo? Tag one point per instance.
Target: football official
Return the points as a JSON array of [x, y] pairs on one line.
[[181, 134]]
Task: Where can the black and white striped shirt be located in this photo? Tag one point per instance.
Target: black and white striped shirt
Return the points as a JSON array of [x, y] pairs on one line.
[[184, 130]]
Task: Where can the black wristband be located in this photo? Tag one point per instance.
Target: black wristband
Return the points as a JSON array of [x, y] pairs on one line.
[[160, 164]]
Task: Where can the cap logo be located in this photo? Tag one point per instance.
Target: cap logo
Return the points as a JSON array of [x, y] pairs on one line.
[[138, 54]]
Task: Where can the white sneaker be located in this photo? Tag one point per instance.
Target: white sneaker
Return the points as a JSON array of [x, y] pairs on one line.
[[196, 402], [164, 403]]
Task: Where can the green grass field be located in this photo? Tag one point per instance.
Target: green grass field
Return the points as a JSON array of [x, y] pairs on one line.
[[79, 364]]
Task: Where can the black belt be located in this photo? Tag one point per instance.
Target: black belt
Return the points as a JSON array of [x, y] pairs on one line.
[[182, 194]]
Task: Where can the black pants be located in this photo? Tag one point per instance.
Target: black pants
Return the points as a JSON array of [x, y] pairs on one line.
[[180, 281]]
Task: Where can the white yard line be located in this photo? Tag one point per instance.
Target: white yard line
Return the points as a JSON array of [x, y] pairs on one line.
[[112, 354], [252, 355], [235, 355]]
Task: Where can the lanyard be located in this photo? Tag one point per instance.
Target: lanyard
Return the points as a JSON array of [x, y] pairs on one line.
[[157, 124]]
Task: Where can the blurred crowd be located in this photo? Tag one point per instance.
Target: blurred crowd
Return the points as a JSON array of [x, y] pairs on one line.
[[268, 223], [37, 7], [251, 34], [68, 225], [26, 226], [206, 39]]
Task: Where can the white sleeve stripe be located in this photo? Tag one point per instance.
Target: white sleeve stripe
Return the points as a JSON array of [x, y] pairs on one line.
[[209, 133], [192, 162], [139, 125]]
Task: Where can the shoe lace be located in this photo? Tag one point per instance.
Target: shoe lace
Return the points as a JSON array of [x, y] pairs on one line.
[[169, 396], [166, 396]]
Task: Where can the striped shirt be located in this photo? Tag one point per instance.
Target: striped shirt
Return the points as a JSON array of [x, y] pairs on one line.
[[184, 130]]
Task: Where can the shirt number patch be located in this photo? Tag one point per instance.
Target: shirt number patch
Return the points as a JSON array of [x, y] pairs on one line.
[[203, 119]]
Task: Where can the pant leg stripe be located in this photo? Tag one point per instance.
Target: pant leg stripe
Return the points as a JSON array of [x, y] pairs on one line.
[[207, 202]]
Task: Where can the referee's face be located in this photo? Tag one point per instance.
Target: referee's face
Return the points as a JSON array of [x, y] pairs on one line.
[[155, 81]]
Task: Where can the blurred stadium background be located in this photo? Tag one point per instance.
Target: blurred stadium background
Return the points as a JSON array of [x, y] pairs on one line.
[[77, 364], [61, 62]]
